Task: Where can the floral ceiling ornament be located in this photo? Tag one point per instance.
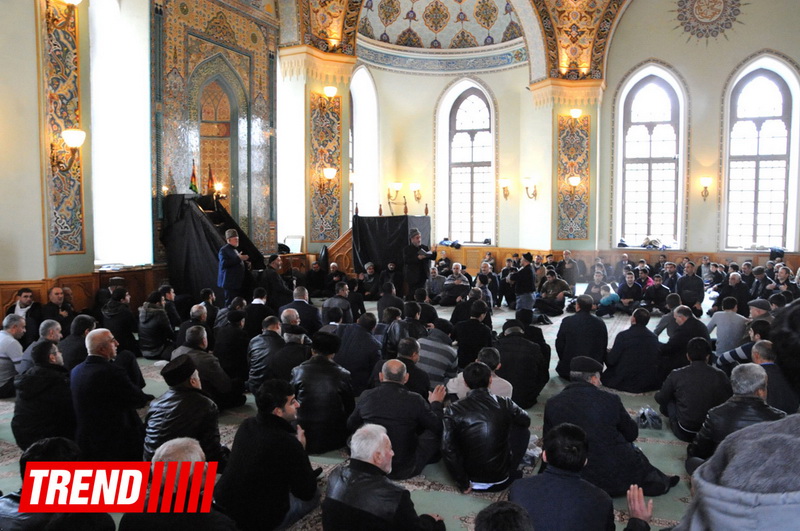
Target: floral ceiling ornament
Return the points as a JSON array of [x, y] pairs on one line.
[[704, 19]]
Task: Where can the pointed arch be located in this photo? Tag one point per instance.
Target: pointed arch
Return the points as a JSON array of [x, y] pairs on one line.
[[366, 141]]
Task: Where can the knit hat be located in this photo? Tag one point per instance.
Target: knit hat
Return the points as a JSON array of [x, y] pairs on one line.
[[585, 364], [178, 370], [231, 233], [761, 304]]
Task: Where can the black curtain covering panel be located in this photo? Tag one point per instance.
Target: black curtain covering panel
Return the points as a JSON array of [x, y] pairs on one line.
[[192, 233], [381, 239]]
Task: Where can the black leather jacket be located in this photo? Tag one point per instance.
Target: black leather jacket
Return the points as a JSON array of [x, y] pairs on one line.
[[398, 330], [475, 443], [155, 331], [184, 411], [44, 405], [261, 347], [325, 391], [737, 413]]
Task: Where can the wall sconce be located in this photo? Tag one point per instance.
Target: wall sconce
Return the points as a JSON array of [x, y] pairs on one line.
[[164, 190], [574, 181], [529, 185], [218, 192], [504, 184], [575, 113], [329, 91], [396, 187], [74, 139], [415, 188], [705, 182]]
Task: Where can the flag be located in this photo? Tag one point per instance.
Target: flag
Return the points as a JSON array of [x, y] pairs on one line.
[[193, 182], [210, 185]]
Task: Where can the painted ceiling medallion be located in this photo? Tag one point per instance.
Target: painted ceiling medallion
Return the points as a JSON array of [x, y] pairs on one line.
[[388, 11], [706, 19], [436, 16]]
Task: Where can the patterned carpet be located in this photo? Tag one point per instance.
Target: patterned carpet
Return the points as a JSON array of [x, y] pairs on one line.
[[433, 491]]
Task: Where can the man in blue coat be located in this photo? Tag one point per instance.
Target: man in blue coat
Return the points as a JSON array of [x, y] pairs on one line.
[[105, 400], [231, 267]]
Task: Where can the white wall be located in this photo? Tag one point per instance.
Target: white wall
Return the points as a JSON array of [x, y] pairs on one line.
[[21, 240], [648, 30]]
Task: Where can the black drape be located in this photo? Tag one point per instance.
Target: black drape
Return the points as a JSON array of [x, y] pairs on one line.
[[381, 239]]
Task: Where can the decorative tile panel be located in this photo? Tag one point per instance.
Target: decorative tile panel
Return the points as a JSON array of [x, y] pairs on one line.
[[326, 151], [573, 160], [60, 72]]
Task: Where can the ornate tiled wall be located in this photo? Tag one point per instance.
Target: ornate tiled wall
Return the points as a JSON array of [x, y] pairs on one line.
[[573, 159], [438, 24], [326, 151], [60, 72], [197, 43]]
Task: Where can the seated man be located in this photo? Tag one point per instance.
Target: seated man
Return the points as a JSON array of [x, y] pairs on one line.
[[434, 286], [630, 294], [156, 334], [521, 364], [757, 330], [198, 316], [437, 357], [553, 291], [615, 463], [729, 324], [360, 496], [400, 329], [389, 298], [559, 498], [780, 394], [30, 311], [503, 516], [225, 391], [490, 357], [673, 353], [655, 296], [44, 402], [49, 330], [747, 406], [52, 449], [632, 363], [281, 363], [360, 351], [310, 318], [456, 285], [326, 391], [427, 313], [472, 335], [269, 482], [10, 352], [185, 451], [667, 321], [689, 392], [260, 349], [582, 334], [338, 301], [747, 480], [231, 345], [485, 436], [414, 426], [255, 313], [184, 411]]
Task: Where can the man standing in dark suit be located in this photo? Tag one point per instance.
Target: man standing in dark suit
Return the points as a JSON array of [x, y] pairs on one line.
[[417, 260], [231, 267], [278, 293], [309, 314], [105, 400]]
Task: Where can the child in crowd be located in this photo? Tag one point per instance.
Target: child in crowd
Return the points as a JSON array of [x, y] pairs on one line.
[[608, 300]]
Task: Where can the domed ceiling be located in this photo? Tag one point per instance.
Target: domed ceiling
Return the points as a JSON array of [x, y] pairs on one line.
[[439, 24]]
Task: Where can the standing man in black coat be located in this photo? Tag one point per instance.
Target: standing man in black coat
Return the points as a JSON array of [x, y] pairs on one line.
[[278, 293], [632, 363], [232, 266], [105, 401], [269, 482], [325, 389], [582, 334], [614, 463], [417, 260]]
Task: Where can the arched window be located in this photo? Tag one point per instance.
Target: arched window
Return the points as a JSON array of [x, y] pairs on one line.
[[471, 174], [651, 160], [364, 147], [758, 166]]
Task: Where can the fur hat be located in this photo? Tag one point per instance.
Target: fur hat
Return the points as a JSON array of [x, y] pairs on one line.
[[413, 232], [231, 233], [585, 364], [178, 370]]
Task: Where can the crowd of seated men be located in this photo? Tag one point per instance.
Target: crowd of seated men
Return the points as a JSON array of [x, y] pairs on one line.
[[412, 389]]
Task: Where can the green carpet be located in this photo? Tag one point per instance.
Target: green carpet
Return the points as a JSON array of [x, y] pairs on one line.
[[433, 491]]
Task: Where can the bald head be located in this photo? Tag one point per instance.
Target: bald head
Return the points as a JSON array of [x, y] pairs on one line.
[[394, 371]]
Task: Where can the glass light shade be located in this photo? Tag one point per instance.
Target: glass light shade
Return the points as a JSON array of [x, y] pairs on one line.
[[574, 180], [575, 113], [329, 173], [218, 187], [504, 183], [705, 182], [329, 91], [73, 138], [527, 183], [396, 186], [414, 187]]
